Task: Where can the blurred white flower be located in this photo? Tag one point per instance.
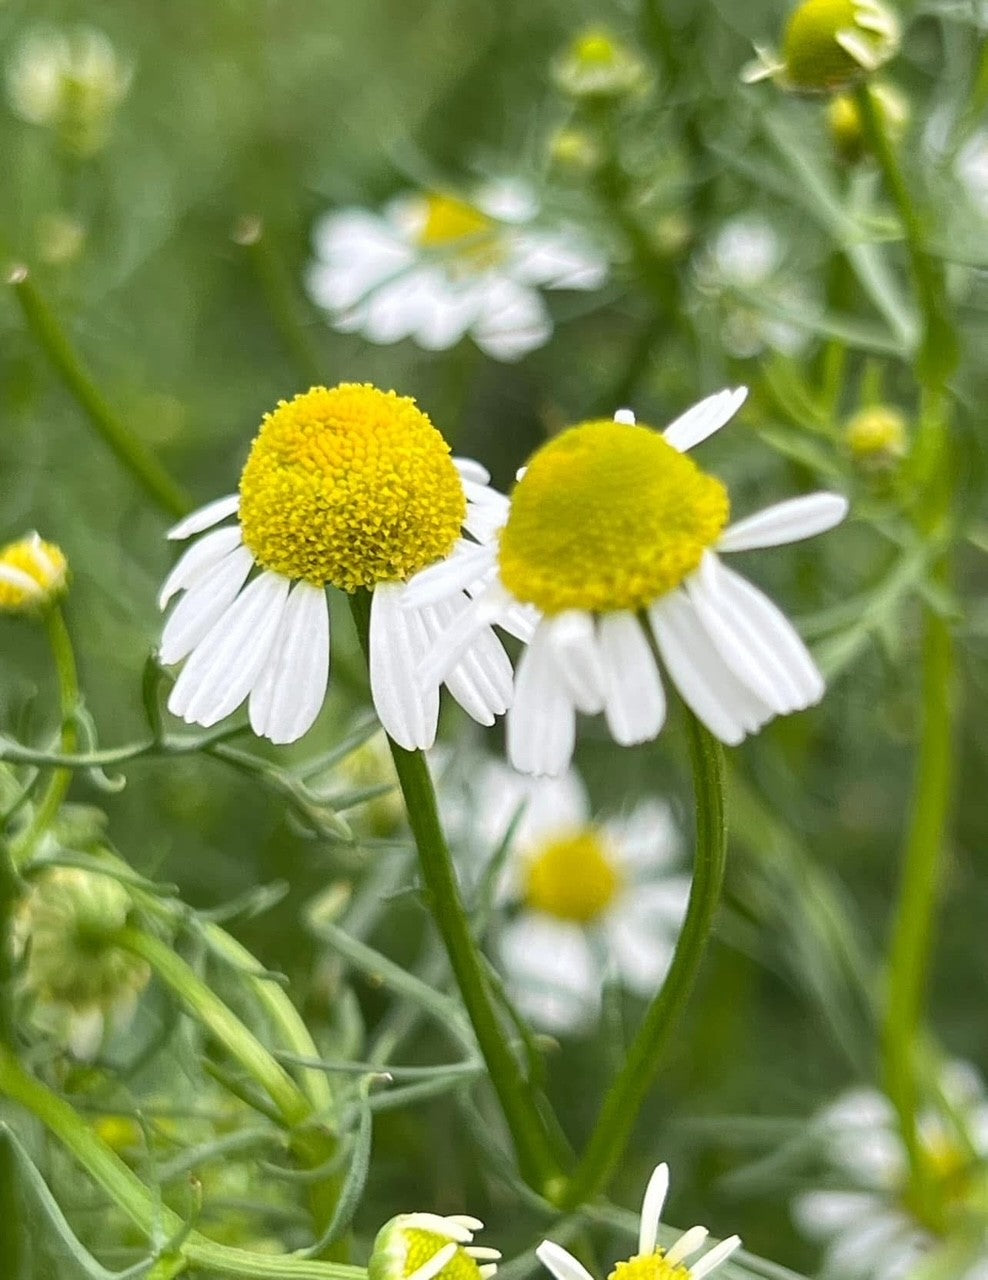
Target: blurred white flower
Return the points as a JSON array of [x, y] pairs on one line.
[[71, 81], [433, 268], [972, 169], [873, 1222], [595, 899]]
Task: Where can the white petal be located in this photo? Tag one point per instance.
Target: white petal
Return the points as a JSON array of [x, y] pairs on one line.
[[482, 681], [224, 666], [687, 1244], [625, 416], [821, 1214], [470, 469], [642, 952], [785, 522], [700, 422], [514, 321], [574, 642], [719, 1254], [15, 577], [560, 1262], [432, 1266], [292, 685], [466, 564], [553, 976], [450, 312], [647, 838], [652, 1205], [861, 49], [707, 685], [541, 729], [212, 513], [202, 555], [485, 518], [407, 707], [397, 307], [203, 605], [445, 652], [634, 701], [556, 261]]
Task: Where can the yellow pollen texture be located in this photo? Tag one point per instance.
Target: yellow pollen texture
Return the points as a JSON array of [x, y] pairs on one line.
[[349, 486], [573, 877], [650, 1266], [608, 517], [423, 1245], [42, 562]]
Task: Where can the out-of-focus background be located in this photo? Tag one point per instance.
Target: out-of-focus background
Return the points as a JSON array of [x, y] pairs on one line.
[[172, 234]]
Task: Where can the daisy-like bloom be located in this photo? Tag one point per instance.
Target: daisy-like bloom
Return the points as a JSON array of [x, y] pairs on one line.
[[433, 267], [651, 1262], [874, 1222], [593, 899], [829, 45], [424, 1246], [32, 574], [352, 488], [614, 533]]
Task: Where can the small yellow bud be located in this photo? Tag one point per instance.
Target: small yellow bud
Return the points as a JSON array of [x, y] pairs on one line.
[[32, 574], [425, 1246], [574, 151], [844, 121], [877, 437], [597, 65], [829, 44]]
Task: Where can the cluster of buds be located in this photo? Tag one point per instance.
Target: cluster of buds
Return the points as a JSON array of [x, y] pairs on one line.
[[829, 45], [33, 573]]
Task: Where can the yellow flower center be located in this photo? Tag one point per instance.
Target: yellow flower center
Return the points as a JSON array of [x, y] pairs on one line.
[[448, 220], [38, 573], [608, 516], [814, 59], [349, 486], [423, 1245], [573, 877], [650, 1266]]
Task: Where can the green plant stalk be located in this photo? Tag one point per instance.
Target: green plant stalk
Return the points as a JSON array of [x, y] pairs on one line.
[[132, 453], [530, 1134], [68, 699], [311, 1143], [127, 1191], [276, 284], [630, 1087], [11, 1212]]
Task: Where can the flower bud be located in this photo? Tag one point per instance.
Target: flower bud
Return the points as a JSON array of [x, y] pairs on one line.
[[844, 121], [574, 151], [596, 65], [32, 574], [877, 437], [829, 44], [423, 1246]]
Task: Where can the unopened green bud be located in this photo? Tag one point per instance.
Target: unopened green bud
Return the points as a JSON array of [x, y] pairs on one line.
[[829, 44], [424, 1246], [877, 437], [597, 65], [33, 573]]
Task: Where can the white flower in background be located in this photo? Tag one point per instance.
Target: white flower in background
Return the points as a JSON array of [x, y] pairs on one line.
[[433, 268], [651, 1262], [611, 523], [874, 1223], [353, 488], [972, 169], [595, 899], [71, 81], [426, 1246]]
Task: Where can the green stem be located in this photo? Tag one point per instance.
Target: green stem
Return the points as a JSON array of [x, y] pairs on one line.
[[630, 1088], [131, 452], [534, 1146], [127, 1191], [11, 1212], [68, 699]]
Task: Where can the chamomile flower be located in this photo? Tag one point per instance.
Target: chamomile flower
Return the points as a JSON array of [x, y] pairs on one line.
[[592, 899], [352, 488], [33, 573], [614, 535], [433, 267], [426, 1246], [651, 1262], [875, 1221]]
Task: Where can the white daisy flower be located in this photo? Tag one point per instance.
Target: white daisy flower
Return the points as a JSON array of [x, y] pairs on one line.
[[612, 541], [434, 268], [353, 488], [427, 1246], [873, 1221], [594, 899], [651, 1262]]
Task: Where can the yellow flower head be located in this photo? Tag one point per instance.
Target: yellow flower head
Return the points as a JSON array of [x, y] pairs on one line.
[[877, 436], [425, 1246], [32, 574], [829, 44]]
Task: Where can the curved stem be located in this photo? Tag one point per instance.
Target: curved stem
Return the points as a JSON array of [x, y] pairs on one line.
[[131, 452], [68, 698], [630, 1088], [536, 1156]]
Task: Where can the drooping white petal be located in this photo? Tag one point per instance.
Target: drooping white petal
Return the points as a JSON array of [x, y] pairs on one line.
[[514, 320], [634, 701], [487, 607], [652, 1205], [292, 685], [202, 555], [432, 1266], [715, 1257], [482, 681], [212, 513], [15, 577], [541, 727], [728, 708], [203, 605], [471, 469], [485, 518], [407, 707], [785, 522], [467, 563], [226, 663], [687, 1244], [574, 642], [700, 422], [561, 1262], [453, 1227]]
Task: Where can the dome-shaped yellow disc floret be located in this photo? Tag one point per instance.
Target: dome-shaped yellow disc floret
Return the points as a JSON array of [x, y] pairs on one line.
[[608, 517], [350, 486], [829, 44], [573, 877], [650, 1266]]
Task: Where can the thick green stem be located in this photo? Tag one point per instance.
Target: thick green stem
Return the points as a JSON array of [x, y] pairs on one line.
[[131, 452], [147, 1213], [11, 1237], [533, 1144], [630, 1088], [68, 698]]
